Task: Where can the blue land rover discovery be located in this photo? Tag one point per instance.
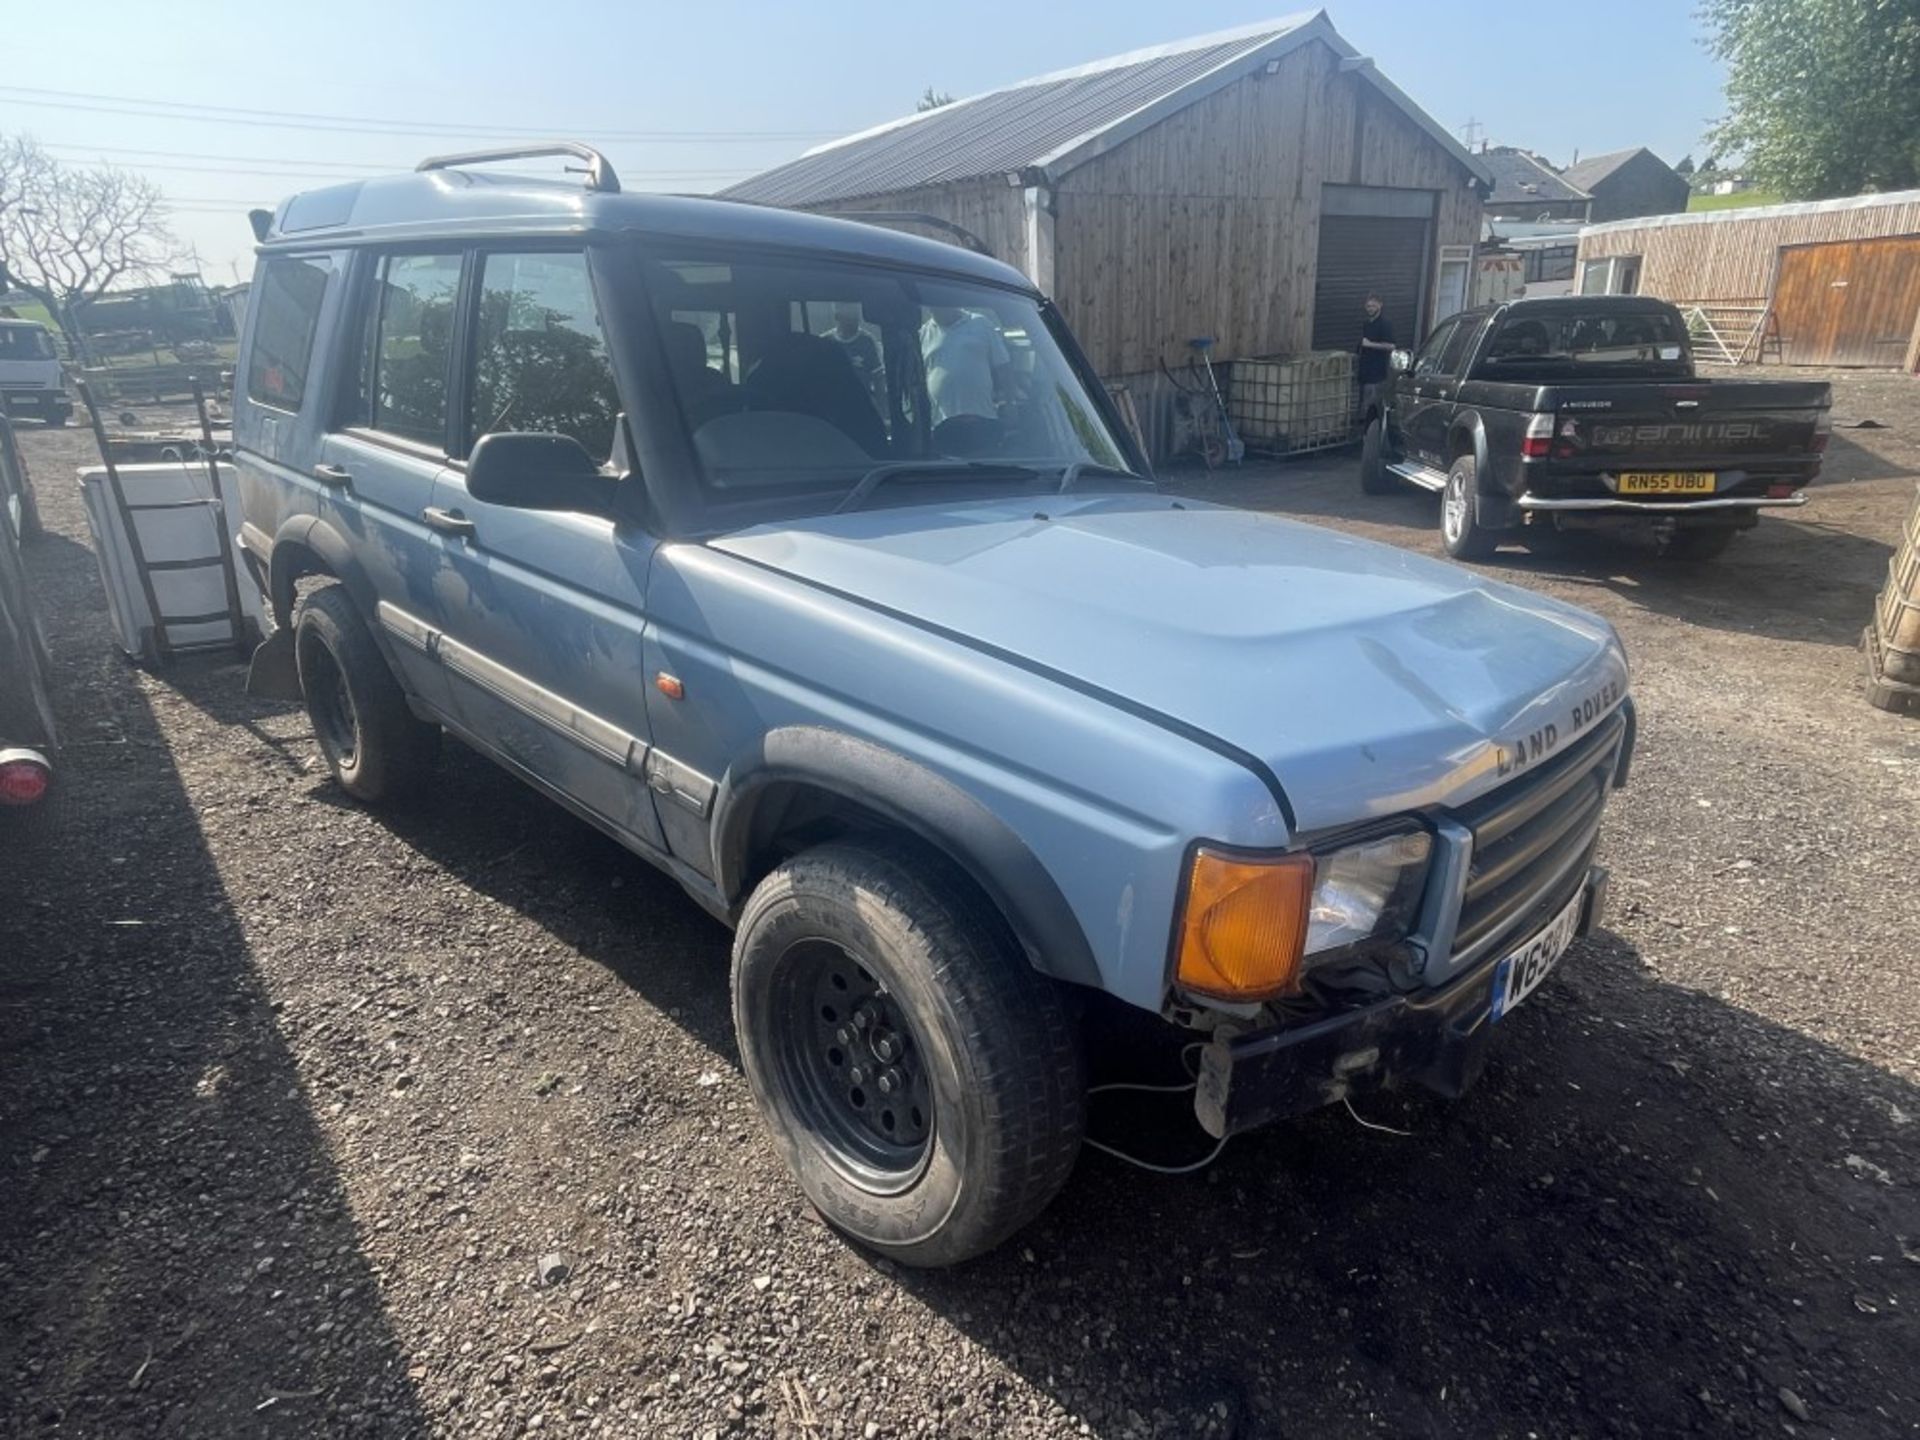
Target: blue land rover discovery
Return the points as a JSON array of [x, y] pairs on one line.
[[810, 561]]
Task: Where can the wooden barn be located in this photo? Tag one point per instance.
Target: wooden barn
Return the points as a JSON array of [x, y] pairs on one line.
[[1826, 282], [1251, 186]]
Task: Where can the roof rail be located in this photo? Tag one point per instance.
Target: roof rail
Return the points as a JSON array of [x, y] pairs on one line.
[[599, 171], [967, 239]]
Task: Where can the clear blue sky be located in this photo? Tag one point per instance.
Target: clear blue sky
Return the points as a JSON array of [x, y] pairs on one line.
[[741, 86]]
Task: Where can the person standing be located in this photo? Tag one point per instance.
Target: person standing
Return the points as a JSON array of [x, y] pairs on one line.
[[966, 361], [1375, 351], [862, 350]]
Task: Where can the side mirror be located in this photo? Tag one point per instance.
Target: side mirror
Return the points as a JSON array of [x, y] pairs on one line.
[[538, 472], [1401, 361]]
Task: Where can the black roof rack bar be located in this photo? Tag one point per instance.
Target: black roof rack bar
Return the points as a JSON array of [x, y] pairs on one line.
[[968, 240], [599, 171]]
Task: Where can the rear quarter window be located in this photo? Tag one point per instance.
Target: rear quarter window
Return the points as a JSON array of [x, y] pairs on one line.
[[290, 294]]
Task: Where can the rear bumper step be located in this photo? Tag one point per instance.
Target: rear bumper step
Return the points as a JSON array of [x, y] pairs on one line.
[[1672, 507]]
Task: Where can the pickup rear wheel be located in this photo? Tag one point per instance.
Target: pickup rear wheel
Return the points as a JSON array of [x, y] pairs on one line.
[[920, 1079], [1374, 479], [1460, 529], [373, 744]]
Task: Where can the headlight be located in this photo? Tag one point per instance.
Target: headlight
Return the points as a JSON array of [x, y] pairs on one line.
[[1366, 890], [1250, 923]]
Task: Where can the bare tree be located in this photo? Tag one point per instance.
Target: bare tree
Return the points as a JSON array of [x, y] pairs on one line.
[[68, 233]]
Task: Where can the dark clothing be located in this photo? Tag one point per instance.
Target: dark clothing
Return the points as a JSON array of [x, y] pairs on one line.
[[1372, 368], [864, 355]]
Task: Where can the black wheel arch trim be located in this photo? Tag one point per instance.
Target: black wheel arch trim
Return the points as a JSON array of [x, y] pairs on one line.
[[314, 534], [922, 803]]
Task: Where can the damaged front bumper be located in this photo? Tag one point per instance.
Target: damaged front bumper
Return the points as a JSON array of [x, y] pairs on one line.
[[1437, 1038]]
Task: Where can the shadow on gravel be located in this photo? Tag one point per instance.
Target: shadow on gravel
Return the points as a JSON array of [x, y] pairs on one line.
[[1653, 1213], [176, 1252], [1848, 461], [1787, 581], [499, 837]]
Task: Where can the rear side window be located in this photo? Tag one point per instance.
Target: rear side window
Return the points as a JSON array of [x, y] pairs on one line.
[[1604, 340], [540, 360], [287, 298], [407, 347], [1457, 344], [1431, 353]]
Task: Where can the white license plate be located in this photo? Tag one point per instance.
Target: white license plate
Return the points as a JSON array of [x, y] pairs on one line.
[[1520, 974]]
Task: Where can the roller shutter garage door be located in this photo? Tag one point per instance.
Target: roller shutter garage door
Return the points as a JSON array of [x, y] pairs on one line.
[[1363, 253]]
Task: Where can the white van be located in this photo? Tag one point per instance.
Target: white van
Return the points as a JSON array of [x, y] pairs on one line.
[[31, 382]]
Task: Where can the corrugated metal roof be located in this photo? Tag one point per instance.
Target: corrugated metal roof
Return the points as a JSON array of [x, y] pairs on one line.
[[1519, 178], [1742, 213], [1040, 121], [1000, 131]]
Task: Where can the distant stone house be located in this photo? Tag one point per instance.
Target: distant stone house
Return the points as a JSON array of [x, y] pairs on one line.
[[1527, 190], [1629, 183]]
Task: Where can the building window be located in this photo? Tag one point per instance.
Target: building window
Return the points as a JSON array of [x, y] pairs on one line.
[[1613, 275], [1453, 280]]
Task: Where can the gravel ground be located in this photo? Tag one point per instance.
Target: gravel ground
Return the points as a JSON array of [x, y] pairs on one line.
[[323, 1123]]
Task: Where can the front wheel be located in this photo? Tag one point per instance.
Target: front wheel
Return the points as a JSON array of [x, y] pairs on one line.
[[920, 1079], [1460, 528]]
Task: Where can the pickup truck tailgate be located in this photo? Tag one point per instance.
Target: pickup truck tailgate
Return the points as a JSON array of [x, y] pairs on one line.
[[1763, 425]]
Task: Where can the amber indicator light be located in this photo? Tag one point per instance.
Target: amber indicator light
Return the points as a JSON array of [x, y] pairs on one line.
[[1244, 925]]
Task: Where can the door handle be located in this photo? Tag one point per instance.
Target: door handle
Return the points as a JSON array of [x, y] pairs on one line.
[[447, 522], [333, 476]]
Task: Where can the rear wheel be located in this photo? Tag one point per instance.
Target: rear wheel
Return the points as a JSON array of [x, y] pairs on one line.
[[920, 1079], [1374, 479], [373, 744], [1705, 542], [1460, 529]]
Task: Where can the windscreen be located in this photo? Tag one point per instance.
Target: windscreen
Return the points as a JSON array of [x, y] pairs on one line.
[[1650, 342], [25, 342], [797, 378]]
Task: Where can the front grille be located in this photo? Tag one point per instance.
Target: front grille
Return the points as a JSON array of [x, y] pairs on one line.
[[1532, 841]]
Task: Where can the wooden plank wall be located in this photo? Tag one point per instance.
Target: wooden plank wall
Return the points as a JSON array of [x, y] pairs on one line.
[[1848, 302], [1209, 222], [990, 208], [1733, 258]]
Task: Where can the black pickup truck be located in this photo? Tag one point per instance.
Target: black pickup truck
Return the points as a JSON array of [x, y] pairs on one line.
[[1584, 412]]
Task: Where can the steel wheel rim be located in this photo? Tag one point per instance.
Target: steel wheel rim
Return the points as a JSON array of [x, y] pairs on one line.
[[335, 717], [852, 1067], [1453, 508]]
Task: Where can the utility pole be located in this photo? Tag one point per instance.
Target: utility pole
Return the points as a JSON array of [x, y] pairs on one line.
[[1472, 133]]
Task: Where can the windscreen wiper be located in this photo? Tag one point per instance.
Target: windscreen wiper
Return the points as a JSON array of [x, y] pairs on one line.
[[1093, 469], [931, 470]]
